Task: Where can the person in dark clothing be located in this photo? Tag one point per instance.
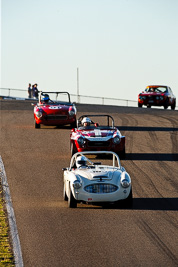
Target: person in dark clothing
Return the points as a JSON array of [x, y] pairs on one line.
[[35, 91], [29, 91]]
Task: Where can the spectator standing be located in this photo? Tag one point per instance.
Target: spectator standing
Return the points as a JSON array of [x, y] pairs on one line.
[[35, 91], [29, 90]]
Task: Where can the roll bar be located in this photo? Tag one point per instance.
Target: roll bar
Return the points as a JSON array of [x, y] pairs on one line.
[[92, 115], [47, 92], [115, 157]]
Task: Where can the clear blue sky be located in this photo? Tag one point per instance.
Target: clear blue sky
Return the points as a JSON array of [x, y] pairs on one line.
[[119, 46]]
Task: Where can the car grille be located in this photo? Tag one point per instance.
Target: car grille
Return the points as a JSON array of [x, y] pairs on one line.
[[101, 188], [56, 117], [150, 97], [98, 143], [153, 97]]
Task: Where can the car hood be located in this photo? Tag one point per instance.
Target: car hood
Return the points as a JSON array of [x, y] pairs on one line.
[[53, 109], [97, 133], [95, 175], [151, 93]]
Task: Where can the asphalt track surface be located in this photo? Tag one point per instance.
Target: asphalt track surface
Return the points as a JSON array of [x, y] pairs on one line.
[[51, 234]]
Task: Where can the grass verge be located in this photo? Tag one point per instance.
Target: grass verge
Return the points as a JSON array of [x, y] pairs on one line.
[[6, 252]]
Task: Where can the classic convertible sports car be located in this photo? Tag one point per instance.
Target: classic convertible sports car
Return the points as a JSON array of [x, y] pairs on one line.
[[88, 180], [157, 95], [90, 136], [54, 112]]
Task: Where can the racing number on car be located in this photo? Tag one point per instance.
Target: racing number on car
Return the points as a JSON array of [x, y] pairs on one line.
[[97, 132], [55, 107]]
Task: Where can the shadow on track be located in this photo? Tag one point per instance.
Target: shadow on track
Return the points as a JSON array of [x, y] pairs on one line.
[[155, 204], [146, 129], [152, 156], [45, 127], [164, 204]]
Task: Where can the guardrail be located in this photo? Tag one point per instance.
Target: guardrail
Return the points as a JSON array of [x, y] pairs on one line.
[[21, 93], [83, 99]]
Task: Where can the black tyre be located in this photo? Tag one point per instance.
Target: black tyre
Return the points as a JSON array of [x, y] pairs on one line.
[[128, 202], [173, 106], [166, 104], [125, 203], [37, 126], [64, 194], [72, 203], [74, 124], [121, 154], [139, 105]]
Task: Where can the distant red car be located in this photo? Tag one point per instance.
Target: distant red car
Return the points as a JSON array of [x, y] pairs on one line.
[[157, 95], [54, 112], [95, 137]]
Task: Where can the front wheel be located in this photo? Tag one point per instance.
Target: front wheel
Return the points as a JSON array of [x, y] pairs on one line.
[[139, 105], [64, 194], [72, 203], [73, 124], [128, 202], [166, 104], [37, 126], [121, 154], [173, 105]]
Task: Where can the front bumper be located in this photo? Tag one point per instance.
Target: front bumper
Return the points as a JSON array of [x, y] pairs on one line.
[[151, 102], [55, 120], [99, 146], [82, 196]]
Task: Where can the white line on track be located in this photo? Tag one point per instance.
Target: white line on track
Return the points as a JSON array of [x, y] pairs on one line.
[[11, 217]]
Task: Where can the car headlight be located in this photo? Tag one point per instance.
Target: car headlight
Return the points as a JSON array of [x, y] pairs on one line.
[[77, 184], [72, 111], [116, 140], [142, 97], [39, 114], [80, 140], [125, 180]]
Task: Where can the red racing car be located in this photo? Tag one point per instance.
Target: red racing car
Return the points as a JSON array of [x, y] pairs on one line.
[[54, 112], [157, 95], [91, 136]]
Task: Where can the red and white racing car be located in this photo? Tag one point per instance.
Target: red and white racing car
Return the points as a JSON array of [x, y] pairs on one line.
[[91, 136], [54, 112]]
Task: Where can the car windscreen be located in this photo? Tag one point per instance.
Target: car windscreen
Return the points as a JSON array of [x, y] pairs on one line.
[[60, 103], [154, 89], [96, 128]]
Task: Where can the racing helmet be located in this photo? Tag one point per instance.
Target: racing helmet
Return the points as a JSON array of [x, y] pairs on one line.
[[87, 120], [45, 98], [81, 161]]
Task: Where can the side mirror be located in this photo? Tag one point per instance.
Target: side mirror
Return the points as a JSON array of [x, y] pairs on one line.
[[64, 169]]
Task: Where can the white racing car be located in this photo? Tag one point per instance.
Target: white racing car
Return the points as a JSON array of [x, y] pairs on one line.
[[89, 180]]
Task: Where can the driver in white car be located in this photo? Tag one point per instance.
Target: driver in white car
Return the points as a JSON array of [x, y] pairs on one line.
[[81, 162]]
